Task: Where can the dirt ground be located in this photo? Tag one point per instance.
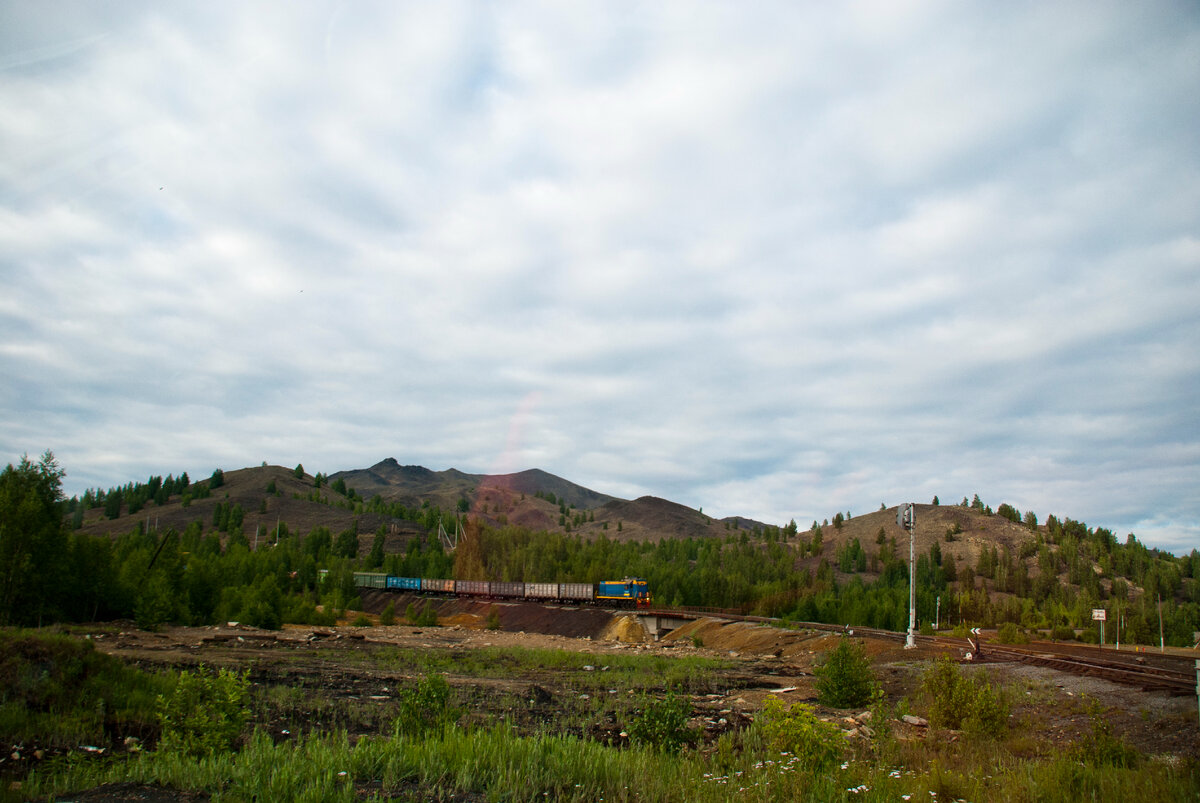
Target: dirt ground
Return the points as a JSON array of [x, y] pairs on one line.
[[766, 660], [1056, 709]]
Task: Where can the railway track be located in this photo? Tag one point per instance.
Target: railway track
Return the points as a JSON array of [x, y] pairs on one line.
[[1178, 682], [1151, 672]]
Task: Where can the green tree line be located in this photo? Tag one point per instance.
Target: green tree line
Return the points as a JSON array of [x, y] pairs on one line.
[[209, 573]]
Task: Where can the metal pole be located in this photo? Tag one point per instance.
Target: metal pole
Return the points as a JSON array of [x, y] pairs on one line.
[[1162, 644], [909, 521]]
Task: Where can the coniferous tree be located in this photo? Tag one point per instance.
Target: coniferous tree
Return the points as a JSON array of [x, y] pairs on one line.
[[32, 539]]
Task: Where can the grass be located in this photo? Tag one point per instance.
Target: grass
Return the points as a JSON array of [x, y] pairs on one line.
[[493, 765], [694, 674], [57, 691], [564, 746]]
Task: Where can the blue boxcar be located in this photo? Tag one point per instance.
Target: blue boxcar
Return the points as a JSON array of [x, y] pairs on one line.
[[404, 583]]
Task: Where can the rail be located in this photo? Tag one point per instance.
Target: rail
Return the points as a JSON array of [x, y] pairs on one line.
[[1172, 674]]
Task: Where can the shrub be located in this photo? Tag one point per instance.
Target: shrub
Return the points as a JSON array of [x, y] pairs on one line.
[[1010, 633], [845, 679], [361, 621], [959, 702], [205, 713], [797, 730], [662, 723], [57, 690], [493, 619], [428, 616], [425, 707], [388, 616], [1063, 633], [1101, 748]]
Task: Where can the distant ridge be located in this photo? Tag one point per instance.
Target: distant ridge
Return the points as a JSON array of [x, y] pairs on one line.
[[411, 485]]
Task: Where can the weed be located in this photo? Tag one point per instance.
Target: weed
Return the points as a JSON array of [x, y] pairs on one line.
[[798, 731], [963, 703], [662, 723], [205, 713], [425, 707], [1101, 747], [57, 690]]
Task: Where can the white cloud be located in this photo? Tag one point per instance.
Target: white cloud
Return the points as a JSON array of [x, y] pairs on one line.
[[775, 261]]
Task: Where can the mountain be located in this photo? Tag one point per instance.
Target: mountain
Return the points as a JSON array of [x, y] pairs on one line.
[[412, 485], [534, 499], [269, 496]]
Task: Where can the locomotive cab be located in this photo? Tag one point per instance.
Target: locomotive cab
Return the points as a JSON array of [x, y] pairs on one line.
[[630, 590]]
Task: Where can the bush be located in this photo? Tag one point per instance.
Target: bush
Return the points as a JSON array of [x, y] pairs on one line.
[[1101, 748], [798, 731], [205, 713], [662, 723], [59, 691], [962, 703], [388, 617], [425, 707], [1010, 633], [1063, 633], [428, 617], [845, 679]]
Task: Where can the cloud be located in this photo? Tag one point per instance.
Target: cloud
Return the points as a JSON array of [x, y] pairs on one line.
[[777, 261]]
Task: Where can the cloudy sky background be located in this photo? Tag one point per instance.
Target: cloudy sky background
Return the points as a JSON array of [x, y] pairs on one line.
[[774, 260]]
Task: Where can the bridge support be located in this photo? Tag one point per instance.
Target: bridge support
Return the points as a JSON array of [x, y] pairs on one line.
[[656, 625]]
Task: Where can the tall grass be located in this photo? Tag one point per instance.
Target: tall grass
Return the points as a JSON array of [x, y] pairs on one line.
[[58, 691], [495, 765]]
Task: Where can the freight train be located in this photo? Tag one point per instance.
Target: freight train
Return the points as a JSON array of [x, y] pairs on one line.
[[631, 591]]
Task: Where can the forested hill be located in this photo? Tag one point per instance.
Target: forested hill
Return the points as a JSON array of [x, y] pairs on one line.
[[388, 493], [414, 485], [200, 549]]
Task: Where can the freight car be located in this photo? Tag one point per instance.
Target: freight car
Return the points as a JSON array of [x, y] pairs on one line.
[[631, 591]]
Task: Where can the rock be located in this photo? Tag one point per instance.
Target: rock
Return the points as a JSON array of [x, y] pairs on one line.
[[912, 719]]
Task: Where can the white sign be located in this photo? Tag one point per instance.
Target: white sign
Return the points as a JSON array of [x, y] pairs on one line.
[[1099, 615], [975, 630]]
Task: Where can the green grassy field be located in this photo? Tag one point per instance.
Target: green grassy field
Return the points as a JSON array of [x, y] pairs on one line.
[[430, 741]]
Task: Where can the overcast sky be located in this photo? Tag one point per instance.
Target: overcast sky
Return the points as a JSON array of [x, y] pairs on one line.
[[774, 260]]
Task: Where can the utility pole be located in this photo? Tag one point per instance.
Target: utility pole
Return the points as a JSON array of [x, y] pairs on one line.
[[906, 518], [1162, 643]]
